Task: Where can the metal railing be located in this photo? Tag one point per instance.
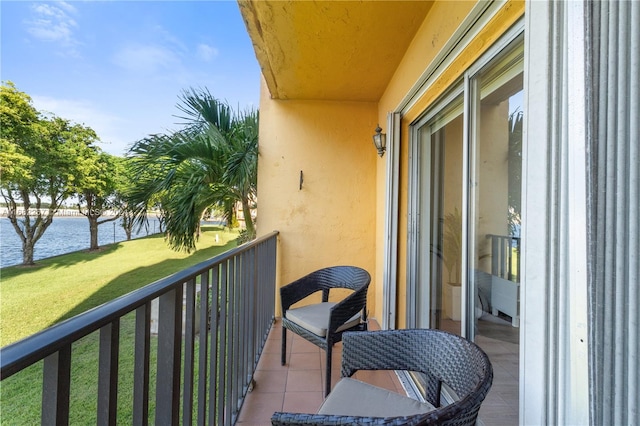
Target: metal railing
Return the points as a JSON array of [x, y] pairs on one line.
[[205, 375], [505, 257]]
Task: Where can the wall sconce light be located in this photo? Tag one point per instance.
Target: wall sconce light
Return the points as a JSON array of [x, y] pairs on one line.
[[380, 141]]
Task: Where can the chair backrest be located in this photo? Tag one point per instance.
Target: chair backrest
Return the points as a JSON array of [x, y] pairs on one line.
[[351, 277], [441, 356]]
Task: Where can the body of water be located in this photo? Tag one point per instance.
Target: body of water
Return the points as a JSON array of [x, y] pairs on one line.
[[64, 235]]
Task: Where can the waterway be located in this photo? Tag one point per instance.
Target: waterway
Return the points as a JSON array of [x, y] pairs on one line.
[[64, 235]]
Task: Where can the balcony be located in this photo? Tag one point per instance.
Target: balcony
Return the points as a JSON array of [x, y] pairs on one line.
[[229, 375]]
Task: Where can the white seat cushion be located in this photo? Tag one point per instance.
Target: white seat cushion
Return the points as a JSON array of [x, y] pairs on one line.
[[315, 318], [352, 397]]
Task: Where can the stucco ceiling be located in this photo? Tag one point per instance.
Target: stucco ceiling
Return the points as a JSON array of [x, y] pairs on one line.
[[331, 50]]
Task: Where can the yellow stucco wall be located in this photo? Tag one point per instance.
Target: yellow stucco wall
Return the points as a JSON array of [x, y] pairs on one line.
[[338, 215], [331, 220]]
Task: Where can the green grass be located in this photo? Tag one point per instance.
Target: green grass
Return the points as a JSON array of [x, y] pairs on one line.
[[61, 287], [21, 394], [36, 297]]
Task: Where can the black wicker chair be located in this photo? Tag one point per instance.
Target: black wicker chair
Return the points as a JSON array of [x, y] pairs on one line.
[[442, 357], [323, 323]]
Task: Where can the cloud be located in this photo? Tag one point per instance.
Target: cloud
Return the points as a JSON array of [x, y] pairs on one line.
[[160, 33], [206, 53], [85, 112], [146, 59], [52, 22]]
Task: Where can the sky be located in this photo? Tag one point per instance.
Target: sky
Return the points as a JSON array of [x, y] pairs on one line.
[[119, 67]]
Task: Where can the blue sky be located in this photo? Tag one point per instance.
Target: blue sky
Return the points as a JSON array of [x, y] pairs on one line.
[[120, 66]]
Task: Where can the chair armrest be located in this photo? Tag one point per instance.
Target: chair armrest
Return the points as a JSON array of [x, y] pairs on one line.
[[281, 419], [347, 308], [296, 291]]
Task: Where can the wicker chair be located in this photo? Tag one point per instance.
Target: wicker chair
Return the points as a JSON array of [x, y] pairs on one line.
[[442, 357], [323, 323]]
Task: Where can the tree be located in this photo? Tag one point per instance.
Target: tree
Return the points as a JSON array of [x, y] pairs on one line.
[[132, 196], [515, 172], [235, 137], [97, 187], [38, 164], [212, 161]]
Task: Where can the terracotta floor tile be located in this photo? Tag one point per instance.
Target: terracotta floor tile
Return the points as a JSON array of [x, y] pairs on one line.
[[272, 345], [270, 381], [270, 361], [381, 379], [259, 407], [304, 361], [302, 402], [299, 345], [373, 325], [304, 381]]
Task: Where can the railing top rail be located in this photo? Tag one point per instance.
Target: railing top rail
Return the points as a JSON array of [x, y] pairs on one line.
[[38, 346]]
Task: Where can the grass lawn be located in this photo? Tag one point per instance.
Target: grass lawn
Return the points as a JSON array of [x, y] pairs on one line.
[[61, 287], [36, 297]]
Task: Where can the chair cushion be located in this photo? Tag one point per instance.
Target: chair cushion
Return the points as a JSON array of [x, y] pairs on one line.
[[315, 318], [352, 397]]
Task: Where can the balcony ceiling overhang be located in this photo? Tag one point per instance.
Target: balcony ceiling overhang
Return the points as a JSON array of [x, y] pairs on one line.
[[331, 50]]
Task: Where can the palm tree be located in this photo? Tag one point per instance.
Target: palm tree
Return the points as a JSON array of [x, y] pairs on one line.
[[515, 171], [212, 161]]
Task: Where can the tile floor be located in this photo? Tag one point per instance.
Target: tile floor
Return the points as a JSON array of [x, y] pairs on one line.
[[500, 407], [297, 386]]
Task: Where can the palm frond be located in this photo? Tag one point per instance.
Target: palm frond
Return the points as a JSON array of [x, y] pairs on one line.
[[211, 161]]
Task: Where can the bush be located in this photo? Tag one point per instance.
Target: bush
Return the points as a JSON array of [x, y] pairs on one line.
[[245, 236]]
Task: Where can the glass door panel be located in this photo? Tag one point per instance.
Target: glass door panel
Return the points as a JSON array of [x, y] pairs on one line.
[[494, 218], [494, 260], [440, 227]]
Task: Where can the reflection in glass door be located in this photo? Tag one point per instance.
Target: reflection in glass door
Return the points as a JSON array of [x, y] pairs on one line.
[[440, 242], [495, 193], [495, 183]]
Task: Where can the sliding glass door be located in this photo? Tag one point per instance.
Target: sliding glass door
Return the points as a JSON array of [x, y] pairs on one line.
[[464, 236]]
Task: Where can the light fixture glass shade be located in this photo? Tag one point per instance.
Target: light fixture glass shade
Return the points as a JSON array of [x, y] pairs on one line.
[[380, 141]]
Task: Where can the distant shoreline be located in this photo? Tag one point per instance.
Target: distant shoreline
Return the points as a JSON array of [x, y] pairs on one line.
[[4, 212]]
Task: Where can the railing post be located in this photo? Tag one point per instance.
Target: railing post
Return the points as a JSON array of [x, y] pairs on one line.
[[55, 387], [169, 349], [221, 383], [203, 366], [141, 367], [229, 406], [189, 346], [108, 373], [216, 396]]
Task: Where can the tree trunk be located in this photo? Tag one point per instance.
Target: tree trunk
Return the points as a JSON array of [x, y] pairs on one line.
[[27, 252], [248, 221], [32, 228], [93, 230], [127, 225]]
